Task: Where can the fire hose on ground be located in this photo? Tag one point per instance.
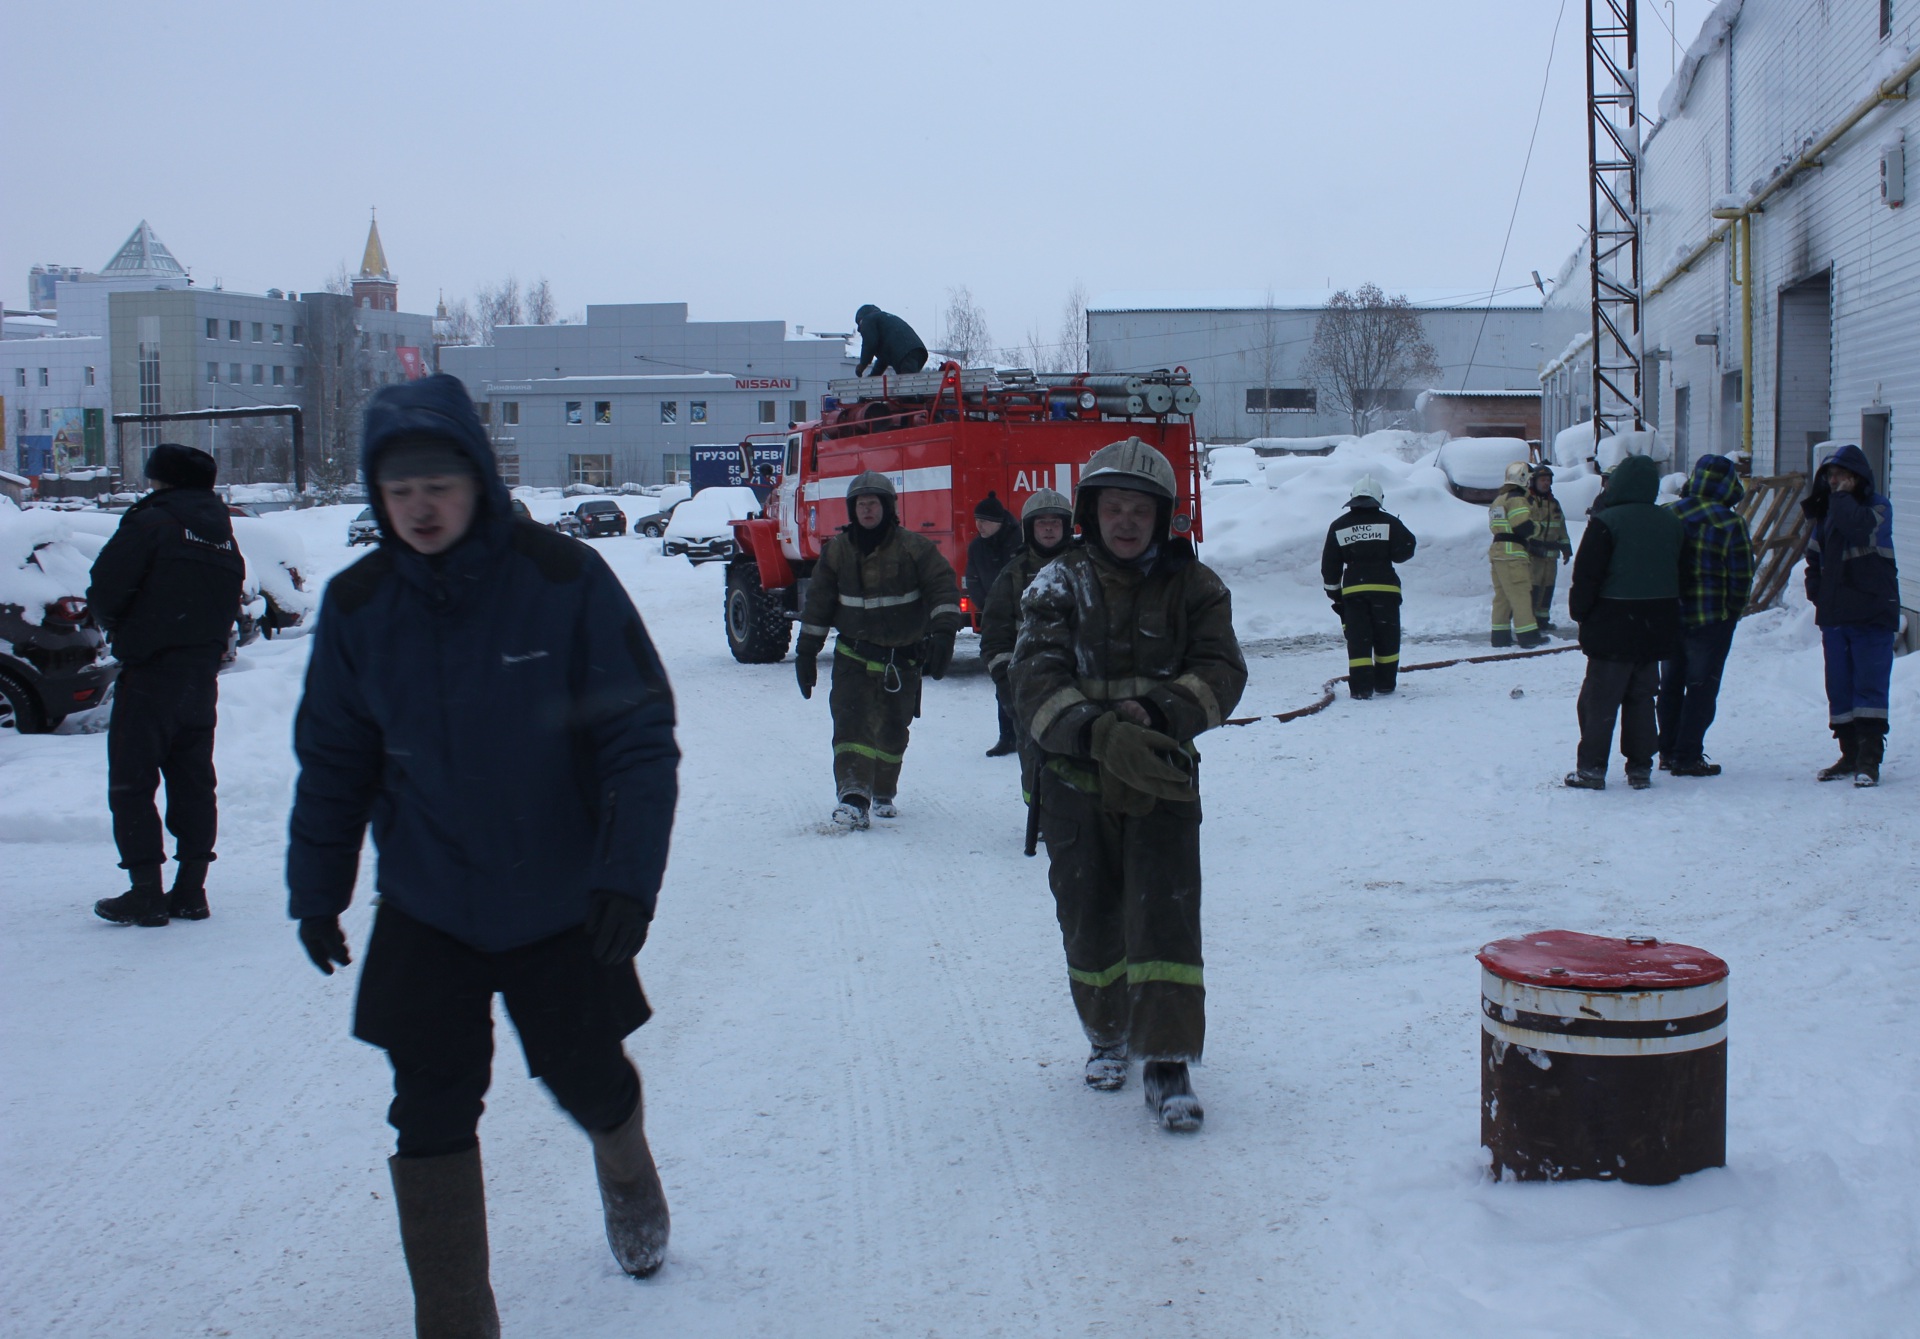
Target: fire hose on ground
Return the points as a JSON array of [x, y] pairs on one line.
[[1327, 689]]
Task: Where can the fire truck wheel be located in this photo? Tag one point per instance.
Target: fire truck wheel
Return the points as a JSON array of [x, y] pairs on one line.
[[758, 632]]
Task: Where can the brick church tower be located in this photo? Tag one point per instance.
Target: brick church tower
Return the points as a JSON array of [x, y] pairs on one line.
[[374, 286]]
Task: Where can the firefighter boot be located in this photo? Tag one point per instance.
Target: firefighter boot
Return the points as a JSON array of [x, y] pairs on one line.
[[443, 1231], [1848, 733], [1107, 1068], [850, 815], [188, 900], [1873, 749], [1170, 1095], [1386, 678], [1360, 682], [630, 1193], [145, 903]]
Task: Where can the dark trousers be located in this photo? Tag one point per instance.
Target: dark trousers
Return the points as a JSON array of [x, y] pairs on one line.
[[427, 999], [873, 703], [1690, 689], [1371, 620], [1003, 697], [1622, 688], [1126, 890], [1859, 663], [1545, 572], [164, 712]]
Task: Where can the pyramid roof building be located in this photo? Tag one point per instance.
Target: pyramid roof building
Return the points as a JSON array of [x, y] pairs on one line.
[[143, 256]]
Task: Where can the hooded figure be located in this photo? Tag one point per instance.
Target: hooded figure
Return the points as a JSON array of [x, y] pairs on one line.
[[897, 607], [166, 587], [1510, 518], [1626, 598], [1716, 581], [1854, 586], [484, 694], [1046, 525], [1356, 564], [1547, 546], [887, 344], [1126, 653]]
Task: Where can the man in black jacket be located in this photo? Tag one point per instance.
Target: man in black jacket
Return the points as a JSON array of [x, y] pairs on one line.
[[887, 344], [1356, 565], [1626, 598], [483, 692], [999, 539], [166, 588]]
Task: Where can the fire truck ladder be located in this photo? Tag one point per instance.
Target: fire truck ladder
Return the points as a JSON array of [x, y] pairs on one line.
[[1613, 245], [1119, 395]]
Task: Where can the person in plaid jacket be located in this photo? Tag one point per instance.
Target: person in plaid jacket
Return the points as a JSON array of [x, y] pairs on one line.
[[1716, 579]]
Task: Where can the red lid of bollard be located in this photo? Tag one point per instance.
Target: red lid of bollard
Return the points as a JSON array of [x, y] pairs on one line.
[[1570, 960]]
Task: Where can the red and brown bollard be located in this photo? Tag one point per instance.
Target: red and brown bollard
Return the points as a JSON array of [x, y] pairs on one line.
[[1602, 1059]]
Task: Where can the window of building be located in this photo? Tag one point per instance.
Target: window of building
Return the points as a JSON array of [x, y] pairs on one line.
[[673, 469], [696, 411], [213, 327], [233, 373], [596, 470], [23, 419], [603, 411], [43, 376], [366, 379], [46, 418], [509, 468], [796, 411], [279, 334], [669, 411], [1283, 400], [484, 408], [1391, 398], [1682, 425], [366, 341], [279, 375], [19, 376], [233, 331], [213, 371], [299, 376], [383, 343], [259, 332], [1886, 18], [259, 375], [89, 376], [769, 411], [573, 414], [299, 334], [510, 412]]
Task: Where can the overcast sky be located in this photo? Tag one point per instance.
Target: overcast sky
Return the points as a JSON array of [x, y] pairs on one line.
[[791, 161]]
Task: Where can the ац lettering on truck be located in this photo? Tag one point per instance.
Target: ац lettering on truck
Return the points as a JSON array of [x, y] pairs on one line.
[[946, 438]]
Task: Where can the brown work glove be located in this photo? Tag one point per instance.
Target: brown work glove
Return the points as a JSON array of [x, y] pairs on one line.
[[1143, 763]]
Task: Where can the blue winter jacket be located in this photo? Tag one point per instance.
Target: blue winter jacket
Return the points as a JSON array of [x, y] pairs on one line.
[[497, 712], [1851, 576]]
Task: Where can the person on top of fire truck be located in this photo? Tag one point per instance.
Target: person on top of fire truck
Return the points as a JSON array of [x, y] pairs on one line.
[[1046, 521], [896, 604], [1126, 652], [887, 344]]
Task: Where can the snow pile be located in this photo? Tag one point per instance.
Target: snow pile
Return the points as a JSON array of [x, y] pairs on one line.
[[1235, 464], [1291, 446], [1612, 450], [43, 558], [1573, 446], [243, 494], [277, 568], [1481, 462]]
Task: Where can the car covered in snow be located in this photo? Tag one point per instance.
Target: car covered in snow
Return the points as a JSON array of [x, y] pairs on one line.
[[363, 529], [654, 523], [600, 517], [275, 594], [53, 656], [1476, 466], [702, 526]]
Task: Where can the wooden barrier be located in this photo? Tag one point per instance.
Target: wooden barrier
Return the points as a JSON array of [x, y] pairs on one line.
[[1780, 531]]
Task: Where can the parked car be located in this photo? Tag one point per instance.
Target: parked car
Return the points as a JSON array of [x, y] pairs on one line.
[[601, 516], [569, 524], [53, 656], [274, 595], [702, 526], [363, 529], [520, 512], [654, 524]]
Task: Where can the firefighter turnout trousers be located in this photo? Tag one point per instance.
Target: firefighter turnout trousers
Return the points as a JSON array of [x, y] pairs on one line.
[[1513, 600], [873, 703], [1127, 892], [1545, 572], [1371, 620]]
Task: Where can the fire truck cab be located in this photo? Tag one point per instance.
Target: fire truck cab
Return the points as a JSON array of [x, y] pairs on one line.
[[945, 438]]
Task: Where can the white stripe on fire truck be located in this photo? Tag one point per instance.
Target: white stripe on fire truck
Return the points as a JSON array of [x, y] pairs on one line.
[[925, 479]]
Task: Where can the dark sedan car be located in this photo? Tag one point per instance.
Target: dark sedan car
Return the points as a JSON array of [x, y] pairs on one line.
[[53, 668], [600, 516]]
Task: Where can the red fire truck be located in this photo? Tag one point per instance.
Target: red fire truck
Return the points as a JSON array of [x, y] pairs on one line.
[[945, 438]]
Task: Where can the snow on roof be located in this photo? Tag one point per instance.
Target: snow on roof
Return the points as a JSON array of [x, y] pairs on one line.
[[1481, 395], [1304, 299], [1719, 23]]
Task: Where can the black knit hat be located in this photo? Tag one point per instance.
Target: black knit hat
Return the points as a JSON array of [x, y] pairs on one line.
[[991, 508], [179, 466], [416, 455]]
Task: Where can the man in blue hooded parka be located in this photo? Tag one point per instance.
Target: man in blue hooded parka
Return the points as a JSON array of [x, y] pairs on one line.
[[483, 692]]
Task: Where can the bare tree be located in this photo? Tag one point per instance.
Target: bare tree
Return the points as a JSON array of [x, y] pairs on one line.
[[968, 341], [1266, 359], [1070, 349], [464, 326], [1369, 353], [541, 308], [341, 373], [341, 280], [498, 306]]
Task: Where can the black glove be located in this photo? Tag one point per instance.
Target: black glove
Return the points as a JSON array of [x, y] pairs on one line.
[[324, 942], [807, 670], [1340, 610], [1001, 673], [1814, 505], [936, 653], [1566, 554], [617, 925]]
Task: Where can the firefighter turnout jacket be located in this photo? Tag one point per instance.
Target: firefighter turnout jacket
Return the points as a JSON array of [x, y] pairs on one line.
[[1362, 546], [1510, 517], [885, 600]]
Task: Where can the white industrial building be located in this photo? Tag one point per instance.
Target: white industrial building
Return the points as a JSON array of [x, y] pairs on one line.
[[1245, 352], [1796, 114]]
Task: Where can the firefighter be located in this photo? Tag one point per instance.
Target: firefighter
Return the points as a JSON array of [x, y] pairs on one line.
[[887, 344], [897, 606], [1046, 521], [1356, 563], [995, 546], [1547, 547], [1126, 652], [1511, 520]]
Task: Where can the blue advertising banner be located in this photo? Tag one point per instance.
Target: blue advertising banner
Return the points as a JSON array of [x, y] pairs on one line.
[[36, 453], [724, 465]]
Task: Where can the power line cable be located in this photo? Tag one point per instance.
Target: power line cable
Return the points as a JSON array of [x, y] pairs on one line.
[[1552, 44]]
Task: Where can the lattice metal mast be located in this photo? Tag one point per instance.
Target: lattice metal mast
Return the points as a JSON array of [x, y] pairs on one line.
[[1613, 177]]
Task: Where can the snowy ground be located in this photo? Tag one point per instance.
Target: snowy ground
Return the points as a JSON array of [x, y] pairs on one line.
[[864, 1073]]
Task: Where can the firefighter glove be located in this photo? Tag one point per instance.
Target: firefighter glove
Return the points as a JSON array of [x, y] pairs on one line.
[[1340, 610], [617, 926], [936, 653], [807, 670], [324, 942], [1566, 554], [1141, 759]]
